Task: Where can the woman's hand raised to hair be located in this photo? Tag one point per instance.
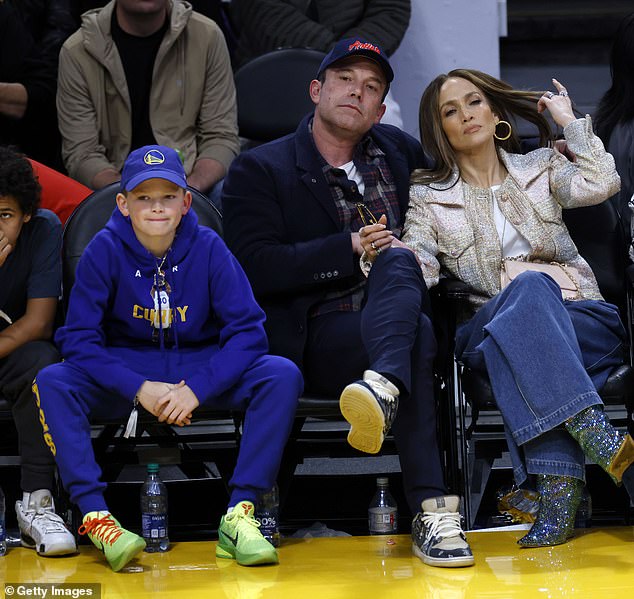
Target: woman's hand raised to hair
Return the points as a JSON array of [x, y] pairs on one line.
[[558, 104]]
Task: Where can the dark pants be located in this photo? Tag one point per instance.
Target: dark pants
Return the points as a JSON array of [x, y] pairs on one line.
[[393, 335], [17, 372]]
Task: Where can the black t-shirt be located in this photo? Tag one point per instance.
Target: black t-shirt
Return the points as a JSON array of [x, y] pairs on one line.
[[34, 268], [137, 56]]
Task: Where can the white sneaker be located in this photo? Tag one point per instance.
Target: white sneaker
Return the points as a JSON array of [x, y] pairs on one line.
[[40, 527], [369, 406]]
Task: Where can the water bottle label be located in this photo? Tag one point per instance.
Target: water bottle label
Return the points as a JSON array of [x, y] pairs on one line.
[[383, 522], [154, 526], [268, 523]]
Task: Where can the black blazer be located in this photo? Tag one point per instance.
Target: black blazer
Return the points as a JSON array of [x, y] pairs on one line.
[[282, 224]]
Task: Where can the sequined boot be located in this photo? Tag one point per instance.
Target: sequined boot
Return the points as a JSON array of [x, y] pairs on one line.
[[559, 499], [604, 445]]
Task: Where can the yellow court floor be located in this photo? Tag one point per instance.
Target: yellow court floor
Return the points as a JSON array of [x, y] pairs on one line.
[[598, 563]]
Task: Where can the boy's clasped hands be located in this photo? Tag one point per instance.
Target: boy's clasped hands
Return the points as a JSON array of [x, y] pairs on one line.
[[171, 403]]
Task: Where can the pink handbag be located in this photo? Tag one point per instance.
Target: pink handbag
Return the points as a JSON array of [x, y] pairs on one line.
[[567, 277]]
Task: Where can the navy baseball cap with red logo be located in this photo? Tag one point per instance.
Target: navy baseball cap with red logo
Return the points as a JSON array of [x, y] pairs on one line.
[[357, 47]]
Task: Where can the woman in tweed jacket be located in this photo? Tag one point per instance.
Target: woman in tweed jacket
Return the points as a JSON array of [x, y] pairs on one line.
[[545, 356]]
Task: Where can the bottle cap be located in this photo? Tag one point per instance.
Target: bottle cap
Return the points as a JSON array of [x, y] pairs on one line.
[[153, 468], [382, 481]]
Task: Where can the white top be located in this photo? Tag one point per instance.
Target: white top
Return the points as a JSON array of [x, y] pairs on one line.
[[512, 241], [354, 175]]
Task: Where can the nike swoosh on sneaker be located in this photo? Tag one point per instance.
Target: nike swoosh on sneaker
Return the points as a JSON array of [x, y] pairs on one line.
[[232, 539]]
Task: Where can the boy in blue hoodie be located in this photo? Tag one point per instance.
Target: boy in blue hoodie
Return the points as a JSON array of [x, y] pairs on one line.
[[162, 315]]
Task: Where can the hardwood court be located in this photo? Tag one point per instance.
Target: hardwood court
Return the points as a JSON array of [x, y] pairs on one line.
[[598, 563]]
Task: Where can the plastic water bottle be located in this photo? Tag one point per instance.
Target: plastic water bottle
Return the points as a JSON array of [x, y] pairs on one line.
[[3, 529], [154, 511], [382, 512], [267, 513]]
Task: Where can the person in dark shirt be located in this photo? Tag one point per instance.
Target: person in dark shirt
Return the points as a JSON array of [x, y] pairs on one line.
[[269, 24], [31, 35], [614, 119], [30, 285]]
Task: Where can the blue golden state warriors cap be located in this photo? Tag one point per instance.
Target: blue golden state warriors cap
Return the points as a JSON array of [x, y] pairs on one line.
[[357, 47], [152, 162]]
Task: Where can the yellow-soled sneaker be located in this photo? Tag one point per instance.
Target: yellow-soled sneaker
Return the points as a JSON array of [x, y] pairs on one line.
[[239, 538], [370, 407], [117, 544]]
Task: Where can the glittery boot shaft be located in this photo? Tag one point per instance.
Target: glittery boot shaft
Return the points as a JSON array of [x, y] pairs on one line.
[[601, 442], [559, 499]]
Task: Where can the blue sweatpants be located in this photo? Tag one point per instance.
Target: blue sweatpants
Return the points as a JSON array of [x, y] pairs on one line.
[[267, 391]]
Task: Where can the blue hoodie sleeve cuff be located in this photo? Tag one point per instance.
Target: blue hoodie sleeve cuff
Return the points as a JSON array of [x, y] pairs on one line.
[[199, 384], [129, 385]]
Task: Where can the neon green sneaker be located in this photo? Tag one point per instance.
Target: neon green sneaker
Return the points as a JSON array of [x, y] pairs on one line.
[[117, 544], [239, 538]]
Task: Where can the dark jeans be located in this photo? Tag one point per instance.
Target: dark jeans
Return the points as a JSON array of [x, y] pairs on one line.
[[17, 372], [393, 335]]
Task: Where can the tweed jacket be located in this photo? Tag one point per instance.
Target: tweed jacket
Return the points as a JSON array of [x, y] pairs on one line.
[[451, 225]]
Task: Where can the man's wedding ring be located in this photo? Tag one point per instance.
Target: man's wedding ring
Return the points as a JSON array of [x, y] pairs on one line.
[[373, 246], [549, 95]]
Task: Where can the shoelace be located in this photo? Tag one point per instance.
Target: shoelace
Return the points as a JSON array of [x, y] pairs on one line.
[[238, 515], [389, 402], [105, 529], [443, 524], [49, 520]]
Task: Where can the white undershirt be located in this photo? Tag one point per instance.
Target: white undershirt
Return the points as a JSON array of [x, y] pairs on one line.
[[354, 175], [513, 242]]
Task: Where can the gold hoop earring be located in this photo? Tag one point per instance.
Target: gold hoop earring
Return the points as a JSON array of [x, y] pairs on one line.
[[507, 135]]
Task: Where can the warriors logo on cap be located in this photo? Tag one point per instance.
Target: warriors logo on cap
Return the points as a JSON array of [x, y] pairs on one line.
[[150, 162], [154, 157]]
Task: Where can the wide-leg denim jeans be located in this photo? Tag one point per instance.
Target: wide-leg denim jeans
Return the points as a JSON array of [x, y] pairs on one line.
[[546, 358]]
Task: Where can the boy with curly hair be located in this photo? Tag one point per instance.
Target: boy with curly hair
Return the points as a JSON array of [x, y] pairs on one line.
[[30, 285]]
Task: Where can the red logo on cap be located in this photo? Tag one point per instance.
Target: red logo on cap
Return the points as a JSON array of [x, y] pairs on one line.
[[363, 46]]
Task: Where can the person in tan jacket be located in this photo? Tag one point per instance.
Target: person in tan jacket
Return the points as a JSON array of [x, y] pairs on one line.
[[139, 73]]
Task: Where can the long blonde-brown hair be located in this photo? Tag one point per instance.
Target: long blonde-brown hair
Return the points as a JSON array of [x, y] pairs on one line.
[[504, 101]]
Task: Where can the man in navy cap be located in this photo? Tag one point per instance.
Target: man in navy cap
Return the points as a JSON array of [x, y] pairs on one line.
[[302, 214]]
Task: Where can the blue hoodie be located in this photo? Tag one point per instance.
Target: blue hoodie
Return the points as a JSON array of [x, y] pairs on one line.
[[111, 306]]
